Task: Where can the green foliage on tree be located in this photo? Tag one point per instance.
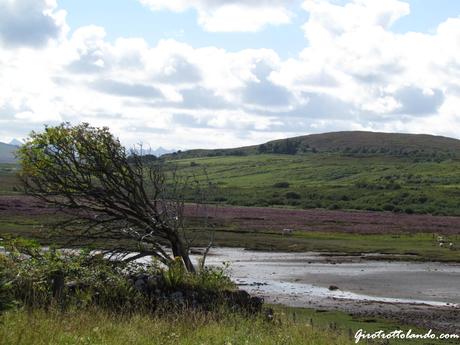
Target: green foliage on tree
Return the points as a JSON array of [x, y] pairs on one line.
[[105, 191]]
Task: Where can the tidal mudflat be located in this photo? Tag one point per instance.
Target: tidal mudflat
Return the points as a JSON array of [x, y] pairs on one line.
[[426, 293]]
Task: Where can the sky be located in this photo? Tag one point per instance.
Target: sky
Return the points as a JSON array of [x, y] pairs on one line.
[[189, 74]]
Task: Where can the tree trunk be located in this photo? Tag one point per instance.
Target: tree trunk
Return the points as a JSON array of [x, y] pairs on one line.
[[57, 285], [179, 250]]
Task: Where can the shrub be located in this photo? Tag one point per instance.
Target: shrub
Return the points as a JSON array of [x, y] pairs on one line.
[[276, 201], [388, 207], [175, 275], [213, 278], [84, 279], [281, 185], [6, 284], [262, 202], [293, 195], [46, 277]]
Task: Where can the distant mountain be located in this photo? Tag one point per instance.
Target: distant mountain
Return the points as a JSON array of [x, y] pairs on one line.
[[355, 143], [161, 151], [15, 142], [7, 153]]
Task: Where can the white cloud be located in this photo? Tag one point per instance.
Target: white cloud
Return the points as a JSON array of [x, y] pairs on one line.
[[230, 16], [388, 80], [355, 73], [30, 23]]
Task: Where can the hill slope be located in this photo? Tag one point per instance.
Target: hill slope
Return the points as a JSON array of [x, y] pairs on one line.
[[7, 153], [341, 170], [422, 146], [334, 181]]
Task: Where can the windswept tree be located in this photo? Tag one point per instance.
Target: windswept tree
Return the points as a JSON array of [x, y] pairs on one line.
[[107, 192]]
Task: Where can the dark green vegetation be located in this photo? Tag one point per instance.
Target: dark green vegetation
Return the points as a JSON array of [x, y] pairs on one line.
[[7, 153], [9, 183], [106, 191], [37, 278], [334, 181]]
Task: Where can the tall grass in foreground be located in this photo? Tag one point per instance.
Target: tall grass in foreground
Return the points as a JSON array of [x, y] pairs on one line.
[[94, 327]]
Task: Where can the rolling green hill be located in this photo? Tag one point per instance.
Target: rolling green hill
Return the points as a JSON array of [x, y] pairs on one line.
[[388, 172], [342, 170], [7, 153], [355, 143], [333, 181]]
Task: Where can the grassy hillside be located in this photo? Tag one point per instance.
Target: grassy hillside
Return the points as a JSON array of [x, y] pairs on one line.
[[356, 143], [7, 153], [334, 181], [342, 170]]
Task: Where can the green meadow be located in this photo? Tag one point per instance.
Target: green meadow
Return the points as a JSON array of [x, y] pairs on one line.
[[333, 181]]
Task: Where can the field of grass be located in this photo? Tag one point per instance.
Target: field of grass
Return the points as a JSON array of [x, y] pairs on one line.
[[8, 181], [405, 246], [96, 327], [333, 181], [349, 324], [294, 326], [419, 247], [321, 180]]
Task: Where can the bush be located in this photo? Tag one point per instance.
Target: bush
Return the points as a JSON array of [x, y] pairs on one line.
[[281, 185], [6, 291], [43, 278], [276, 201], [293, 195], [262, 203], [84, 279], [388, 207], [213, 278]]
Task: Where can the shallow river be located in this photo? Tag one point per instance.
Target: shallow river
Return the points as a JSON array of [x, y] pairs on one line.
[[303, 279]]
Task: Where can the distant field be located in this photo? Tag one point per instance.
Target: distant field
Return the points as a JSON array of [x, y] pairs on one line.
[[333, 181], [323, 184], [401, 236], [321, 180], [8, 180]]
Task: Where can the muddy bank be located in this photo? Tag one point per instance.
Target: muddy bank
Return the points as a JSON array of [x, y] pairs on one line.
[[425, 294]]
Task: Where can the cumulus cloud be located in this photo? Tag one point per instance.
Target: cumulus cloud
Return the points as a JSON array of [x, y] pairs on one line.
[[356, 66], [118, 88], [230, 16], [30, 23], [354, 73]]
